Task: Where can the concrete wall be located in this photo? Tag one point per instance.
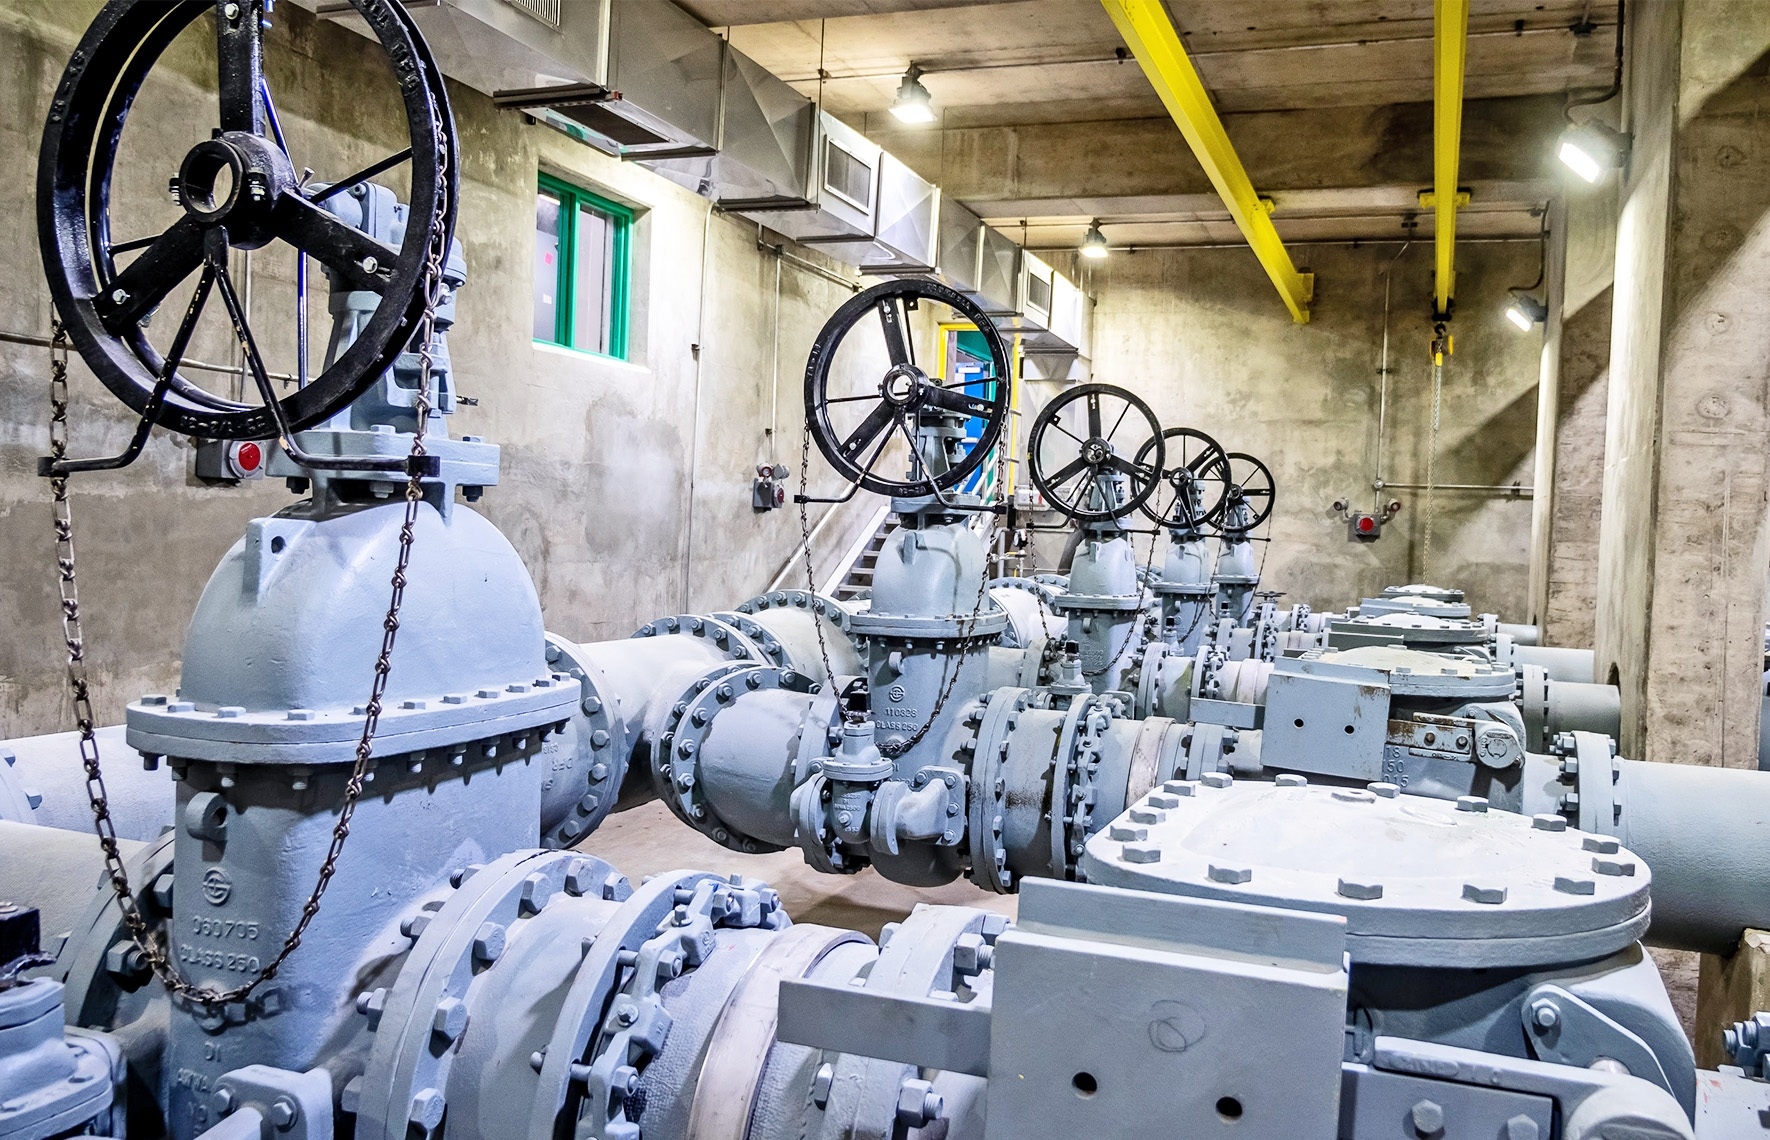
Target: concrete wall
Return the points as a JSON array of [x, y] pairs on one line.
[[1684, 541], [1201, 335], [625, 485]]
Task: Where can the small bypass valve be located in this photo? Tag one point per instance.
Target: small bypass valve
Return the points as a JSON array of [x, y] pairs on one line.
[[1366, 526], [770, 488]]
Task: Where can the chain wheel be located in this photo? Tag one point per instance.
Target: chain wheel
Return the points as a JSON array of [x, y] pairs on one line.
[[129, 23], [1196, 476], [1074, 471], [853, 430], [1250, 483], [238, 191]]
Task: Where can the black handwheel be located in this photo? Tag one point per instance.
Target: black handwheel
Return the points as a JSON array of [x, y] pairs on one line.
[[238, 190], [853, 429], [1071, 469], [1250, 483], [1195, 479]]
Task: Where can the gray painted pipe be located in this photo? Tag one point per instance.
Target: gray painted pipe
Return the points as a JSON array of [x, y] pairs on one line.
[[55, 871], [50, 767], [1704, 833], [1576, 706], [1560, 664]]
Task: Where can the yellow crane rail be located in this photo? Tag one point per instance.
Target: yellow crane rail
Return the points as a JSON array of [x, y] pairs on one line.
[[1151, 36]]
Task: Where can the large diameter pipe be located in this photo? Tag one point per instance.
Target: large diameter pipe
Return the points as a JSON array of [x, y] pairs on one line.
[[1704, 833], [1560, 663]]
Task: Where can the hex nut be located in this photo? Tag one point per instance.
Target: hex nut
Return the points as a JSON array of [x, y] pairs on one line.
[[1290, 780], [1428, 1118], [1216, 779], [1545, 1014], [1127, 834], [450, 1019], [1363, 891], [1488, 895], [1220, 873], [222, 1101], [821, 1084], [1522, 1127], [488, 942], [426, 1110], [284, 1112], [1602, 844], [971, 954], [1180, 788], [1545, 822], [1472, 803], [1623, 867], [918, 1103], [1147, 815], [1383, 789], [1141, 853], [1568, 886]]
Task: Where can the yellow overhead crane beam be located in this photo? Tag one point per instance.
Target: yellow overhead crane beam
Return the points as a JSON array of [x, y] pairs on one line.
[[1450, 45], [1150, 35]]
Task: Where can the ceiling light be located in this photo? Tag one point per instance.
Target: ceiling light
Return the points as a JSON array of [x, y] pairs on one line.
[[1593, 148], [1094, 242], [914, 104], [1526, 311]]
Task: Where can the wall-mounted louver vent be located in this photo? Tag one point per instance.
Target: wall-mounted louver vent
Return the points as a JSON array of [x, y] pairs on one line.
[[546, 11]]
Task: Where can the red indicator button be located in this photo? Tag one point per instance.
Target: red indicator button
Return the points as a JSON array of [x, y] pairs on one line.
[[250, 457], [1366, 524]]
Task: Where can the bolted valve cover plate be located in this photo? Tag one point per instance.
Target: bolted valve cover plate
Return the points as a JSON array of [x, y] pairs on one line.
[[1420, 882]]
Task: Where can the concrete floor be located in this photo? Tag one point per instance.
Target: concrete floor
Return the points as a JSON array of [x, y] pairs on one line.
[[648, 839]]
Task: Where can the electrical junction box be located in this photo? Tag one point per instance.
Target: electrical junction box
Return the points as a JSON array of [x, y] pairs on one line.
[[769, 489], [231, 460], [1363, 527]]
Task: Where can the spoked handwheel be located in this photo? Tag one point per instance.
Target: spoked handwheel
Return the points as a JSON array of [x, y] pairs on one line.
[[238, 189], [854, 427], [1075, 470], [1194, 481], [1250, 485]]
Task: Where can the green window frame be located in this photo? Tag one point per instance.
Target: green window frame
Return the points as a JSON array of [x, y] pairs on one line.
[[574, 203]]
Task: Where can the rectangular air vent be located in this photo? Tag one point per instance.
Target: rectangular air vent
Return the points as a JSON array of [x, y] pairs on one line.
[[847, 176], [546, 11]]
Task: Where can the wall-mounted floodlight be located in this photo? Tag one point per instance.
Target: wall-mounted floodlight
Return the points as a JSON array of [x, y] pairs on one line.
[[1526, 311], [914, 104], [1094, 242], [1591, 149]]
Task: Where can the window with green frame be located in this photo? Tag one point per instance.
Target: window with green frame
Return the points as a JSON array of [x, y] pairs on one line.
[[581, 269]]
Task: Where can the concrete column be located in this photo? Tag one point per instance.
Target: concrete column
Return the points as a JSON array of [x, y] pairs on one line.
[[1548, 410], [1583, 382], [1683, 541]]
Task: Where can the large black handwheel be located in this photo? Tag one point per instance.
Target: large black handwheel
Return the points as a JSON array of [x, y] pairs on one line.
[[853, 429], [1250, 483], [1073, 470], [1195, 479], [238, 190]]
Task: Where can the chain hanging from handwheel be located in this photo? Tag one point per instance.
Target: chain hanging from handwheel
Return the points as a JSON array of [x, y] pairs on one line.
[[1250, 482], [1195, 479], [238, 191], [1108, 466], [854, 423]]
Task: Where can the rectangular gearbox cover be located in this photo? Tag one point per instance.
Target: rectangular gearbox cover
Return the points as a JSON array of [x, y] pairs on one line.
[[1325, 724], [1133, 1014]]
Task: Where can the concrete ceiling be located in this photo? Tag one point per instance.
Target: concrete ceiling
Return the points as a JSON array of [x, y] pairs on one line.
[[1003, 62]]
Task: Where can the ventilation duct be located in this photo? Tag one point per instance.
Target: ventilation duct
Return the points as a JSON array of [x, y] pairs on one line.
[[630, 78]]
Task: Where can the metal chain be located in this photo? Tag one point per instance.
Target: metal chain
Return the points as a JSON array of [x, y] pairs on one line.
[[1142, 599], [1432, 465], [153, 949], [823, 650], [890, 749]]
